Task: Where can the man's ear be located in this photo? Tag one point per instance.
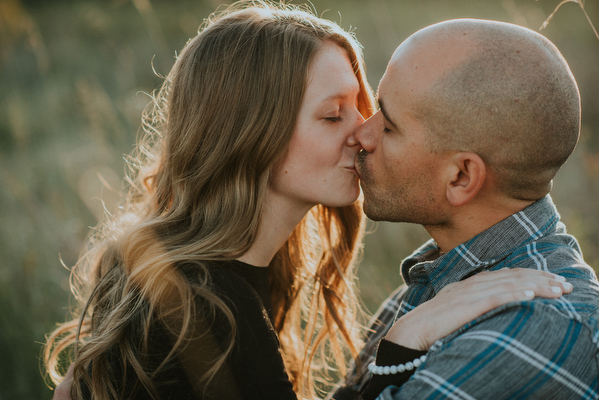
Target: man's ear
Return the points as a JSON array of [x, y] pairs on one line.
[[466, 176]]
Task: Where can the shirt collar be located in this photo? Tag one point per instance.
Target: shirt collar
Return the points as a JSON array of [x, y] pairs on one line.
[[485, 249]]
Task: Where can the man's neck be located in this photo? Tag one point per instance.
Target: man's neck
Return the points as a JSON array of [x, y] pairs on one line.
[[472, 219]]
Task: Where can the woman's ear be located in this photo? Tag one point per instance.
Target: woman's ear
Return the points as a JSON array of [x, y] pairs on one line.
[[467, 173]]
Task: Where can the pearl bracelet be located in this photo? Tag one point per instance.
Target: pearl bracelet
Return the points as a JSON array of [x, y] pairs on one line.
[[394, 369]]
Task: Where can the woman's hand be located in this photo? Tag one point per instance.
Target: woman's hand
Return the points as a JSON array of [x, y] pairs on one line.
[[461, 302]]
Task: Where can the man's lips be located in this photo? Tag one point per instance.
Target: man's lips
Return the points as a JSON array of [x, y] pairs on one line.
[[354, 170], [359, 162]]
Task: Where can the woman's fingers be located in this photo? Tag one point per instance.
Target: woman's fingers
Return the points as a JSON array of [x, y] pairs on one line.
[[500, 295], [515, 273], [516, 279], [461, 302], [499, 291], [518, 274]]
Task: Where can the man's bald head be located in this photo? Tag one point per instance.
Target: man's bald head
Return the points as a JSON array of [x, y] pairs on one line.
[[501, 91]]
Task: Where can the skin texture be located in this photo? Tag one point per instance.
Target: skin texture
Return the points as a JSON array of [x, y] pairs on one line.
[[318, 167], [445, 171], [399, 168], [402, 175], [473, 297]]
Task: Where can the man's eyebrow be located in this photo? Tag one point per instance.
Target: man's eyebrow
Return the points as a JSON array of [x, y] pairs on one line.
[[386, 115]]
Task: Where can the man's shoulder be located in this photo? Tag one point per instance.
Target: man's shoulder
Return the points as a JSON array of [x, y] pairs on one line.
[[540, 326], [526, 346], [558, 253], [538, 331]]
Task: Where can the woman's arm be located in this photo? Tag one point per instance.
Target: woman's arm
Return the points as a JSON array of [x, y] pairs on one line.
[[456, 304], [461, 302]]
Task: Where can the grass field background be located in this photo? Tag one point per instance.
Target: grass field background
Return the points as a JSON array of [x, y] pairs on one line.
[[72, 80]]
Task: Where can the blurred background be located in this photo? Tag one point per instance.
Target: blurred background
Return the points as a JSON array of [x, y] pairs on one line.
[[73, 82]]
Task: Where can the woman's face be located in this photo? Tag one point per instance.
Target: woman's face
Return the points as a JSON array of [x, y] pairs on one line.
[[319, 165]]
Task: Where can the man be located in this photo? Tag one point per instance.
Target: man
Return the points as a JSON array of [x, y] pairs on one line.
[[476, 117]]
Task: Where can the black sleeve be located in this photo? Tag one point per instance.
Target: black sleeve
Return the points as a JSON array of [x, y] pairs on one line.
[[390, 353], [255, 368]]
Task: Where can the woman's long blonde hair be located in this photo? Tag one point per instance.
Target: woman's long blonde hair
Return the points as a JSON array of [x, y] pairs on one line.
[[216, 129]]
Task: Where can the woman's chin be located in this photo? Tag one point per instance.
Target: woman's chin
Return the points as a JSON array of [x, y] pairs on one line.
[[347, 201]]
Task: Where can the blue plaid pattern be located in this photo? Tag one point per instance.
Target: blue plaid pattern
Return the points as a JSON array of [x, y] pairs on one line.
[[541, 349]]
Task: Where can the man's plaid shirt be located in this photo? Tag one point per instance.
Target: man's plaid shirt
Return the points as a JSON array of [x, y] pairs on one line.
[[541, 349]]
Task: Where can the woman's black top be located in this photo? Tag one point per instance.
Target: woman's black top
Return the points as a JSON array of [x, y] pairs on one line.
[[253, 370]]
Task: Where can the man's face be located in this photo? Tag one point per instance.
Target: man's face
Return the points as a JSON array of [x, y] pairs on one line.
[[400, 175]]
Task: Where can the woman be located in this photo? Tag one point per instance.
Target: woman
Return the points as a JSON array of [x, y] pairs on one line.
[[229, 271]]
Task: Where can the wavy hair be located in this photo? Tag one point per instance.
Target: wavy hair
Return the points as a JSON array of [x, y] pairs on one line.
[[213, 134]]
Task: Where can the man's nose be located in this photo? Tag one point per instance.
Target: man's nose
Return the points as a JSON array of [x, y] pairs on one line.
[[365, 134]]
